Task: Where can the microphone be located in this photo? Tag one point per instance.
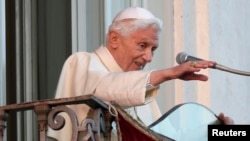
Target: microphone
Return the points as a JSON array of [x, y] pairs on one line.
[[183, 57]]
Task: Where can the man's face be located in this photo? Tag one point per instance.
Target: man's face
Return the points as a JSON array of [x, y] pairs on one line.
[[136, 50]]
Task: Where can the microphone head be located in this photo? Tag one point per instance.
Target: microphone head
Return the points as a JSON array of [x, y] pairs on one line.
[[181, 57]]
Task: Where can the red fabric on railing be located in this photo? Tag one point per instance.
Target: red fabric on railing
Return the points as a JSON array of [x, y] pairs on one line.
[[130, 133]]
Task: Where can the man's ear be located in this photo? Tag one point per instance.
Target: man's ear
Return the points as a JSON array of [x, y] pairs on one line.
[[113, 39]]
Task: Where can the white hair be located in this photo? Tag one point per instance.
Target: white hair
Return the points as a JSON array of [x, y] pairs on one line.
[[127, 26]]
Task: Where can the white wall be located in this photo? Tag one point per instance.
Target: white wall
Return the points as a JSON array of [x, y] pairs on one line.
[[230, 45], [216, 30]]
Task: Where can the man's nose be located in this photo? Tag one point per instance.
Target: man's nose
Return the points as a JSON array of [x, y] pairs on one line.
[[148, 56]]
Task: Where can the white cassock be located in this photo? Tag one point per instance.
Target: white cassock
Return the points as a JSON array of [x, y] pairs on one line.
[[98, 73]]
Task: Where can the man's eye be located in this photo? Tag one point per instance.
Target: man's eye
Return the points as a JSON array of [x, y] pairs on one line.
[[154, 48], [143, 46]]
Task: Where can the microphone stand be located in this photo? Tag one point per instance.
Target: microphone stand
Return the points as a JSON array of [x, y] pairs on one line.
[[227, 69]]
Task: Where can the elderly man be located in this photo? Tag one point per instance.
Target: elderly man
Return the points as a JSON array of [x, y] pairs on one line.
[[114, 72]]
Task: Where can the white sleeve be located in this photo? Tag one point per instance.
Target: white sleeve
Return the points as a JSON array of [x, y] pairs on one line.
[[128, 89], [149, 86]]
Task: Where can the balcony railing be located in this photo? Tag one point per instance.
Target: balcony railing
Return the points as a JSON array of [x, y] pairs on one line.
[[96, 125]]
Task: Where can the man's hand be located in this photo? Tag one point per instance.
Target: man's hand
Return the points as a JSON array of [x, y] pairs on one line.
[[226, 120]]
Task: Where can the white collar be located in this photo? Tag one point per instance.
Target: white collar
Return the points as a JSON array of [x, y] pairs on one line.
[[107, 59]]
